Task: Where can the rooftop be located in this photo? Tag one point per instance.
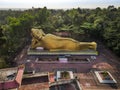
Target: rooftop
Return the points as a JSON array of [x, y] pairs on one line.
[[35, 86], [89, 81], [69, 86], [8, 74], [36, 82]]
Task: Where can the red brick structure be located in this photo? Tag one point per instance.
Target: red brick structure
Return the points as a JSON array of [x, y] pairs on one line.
[[11, 77]]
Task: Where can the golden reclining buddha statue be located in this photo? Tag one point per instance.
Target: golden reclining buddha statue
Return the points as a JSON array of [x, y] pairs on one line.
[[56, 43]]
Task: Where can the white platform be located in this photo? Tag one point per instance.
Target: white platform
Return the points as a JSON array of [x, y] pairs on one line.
[[97, 73], [59, 74]]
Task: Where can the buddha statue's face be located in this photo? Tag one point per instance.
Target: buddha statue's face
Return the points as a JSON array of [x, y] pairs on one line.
[[38, 34]]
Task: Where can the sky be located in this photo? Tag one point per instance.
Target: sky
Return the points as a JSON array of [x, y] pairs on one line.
[[58, 4]]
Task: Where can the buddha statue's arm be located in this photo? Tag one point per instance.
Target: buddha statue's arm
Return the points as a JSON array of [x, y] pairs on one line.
[[36, 43]]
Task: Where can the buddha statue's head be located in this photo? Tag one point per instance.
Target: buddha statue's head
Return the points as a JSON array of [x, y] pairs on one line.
[[37, 33]]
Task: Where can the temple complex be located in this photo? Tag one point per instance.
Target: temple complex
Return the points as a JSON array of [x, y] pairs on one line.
[[69, 64], [60, 63]]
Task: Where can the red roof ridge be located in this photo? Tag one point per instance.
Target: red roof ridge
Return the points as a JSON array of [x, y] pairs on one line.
[[19, 75]]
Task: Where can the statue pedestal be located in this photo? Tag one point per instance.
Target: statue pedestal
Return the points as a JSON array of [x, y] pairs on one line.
[[45, 52]]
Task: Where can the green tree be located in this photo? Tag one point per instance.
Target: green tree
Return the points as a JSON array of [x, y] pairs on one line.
[[42, 16]]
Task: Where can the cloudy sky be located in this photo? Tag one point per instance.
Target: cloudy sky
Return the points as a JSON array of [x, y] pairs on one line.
[[55, 4]]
